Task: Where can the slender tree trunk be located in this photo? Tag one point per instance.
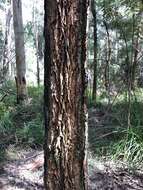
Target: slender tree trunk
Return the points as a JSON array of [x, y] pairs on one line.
[[94, 92], [135, 62], [40, 55], [37, 56], [5, 51], [19, 51], [135, 51], [65, 109], [108, 61], [36, 41]]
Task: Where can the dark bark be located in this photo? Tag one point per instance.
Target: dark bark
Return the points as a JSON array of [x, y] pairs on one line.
[[108, 61], [64, 94], [21, 87], [93, 10]]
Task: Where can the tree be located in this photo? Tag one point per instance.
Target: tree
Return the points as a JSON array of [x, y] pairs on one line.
[[6, 43], [65, 109], [19, 51], [93, 10], [38, 37]]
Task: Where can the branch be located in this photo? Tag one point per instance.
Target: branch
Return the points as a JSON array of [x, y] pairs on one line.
[[2, 98]]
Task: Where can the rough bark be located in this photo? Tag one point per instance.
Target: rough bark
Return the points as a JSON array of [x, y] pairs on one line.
[[19, 51], [93, 9], [65, 109]]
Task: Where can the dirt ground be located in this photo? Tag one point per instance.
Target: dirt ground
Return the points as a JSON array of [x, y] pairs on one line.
[[26, 173]]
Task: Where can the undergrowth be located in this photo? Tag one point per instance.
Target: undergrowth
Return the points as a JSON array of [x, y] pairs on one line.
[[130, 149], [112, 139], [21, 125]]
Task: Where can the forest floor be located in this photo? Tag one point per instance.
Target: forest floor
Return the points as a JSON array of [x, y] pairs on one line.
[[26, 173], [23, 168]]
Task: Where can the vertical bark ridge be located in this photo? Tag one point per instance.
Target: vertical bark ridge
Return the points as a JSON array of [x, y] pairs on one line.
[[65, 55]]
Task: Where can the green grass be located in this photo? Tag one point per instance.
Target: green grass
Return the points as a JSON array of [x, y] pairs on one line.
[[21, 124], [113, 140], [130, 148]]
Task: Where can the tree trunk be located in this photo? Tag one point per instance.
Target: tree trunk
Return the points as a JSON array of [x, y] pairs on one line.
[[135, 51], [5, 51], [135, 62], [19, 51], [37, 57], [108, 61], [36, 40], [94, 92], [65, 108]]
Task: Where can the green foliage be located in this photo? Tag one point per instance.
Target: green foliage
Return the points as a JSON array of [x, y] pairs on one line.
[[29, 31], [32, 133], [35, 92], [130, 148], [111, 138], [5, 124], [2, 109], [22, 124]]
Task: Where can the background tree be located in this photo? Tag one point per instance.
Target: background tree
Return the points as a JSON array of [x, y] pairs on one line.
[[19, 51], [6, 42], [38, 37], [65, 110], [93, 10]]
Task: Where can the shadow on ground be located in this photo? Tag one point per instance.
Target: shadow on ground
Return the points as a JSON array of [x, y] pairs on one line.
[[25, 173], [115, 180]]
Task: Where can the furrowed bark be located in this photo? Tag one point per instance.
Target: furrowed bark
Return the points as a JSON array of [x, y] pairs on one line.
[[65, 108]]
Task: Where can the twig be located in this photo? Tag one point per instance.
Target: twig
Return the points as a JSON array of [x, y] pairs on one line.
[[107, 134], [2, 98]]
